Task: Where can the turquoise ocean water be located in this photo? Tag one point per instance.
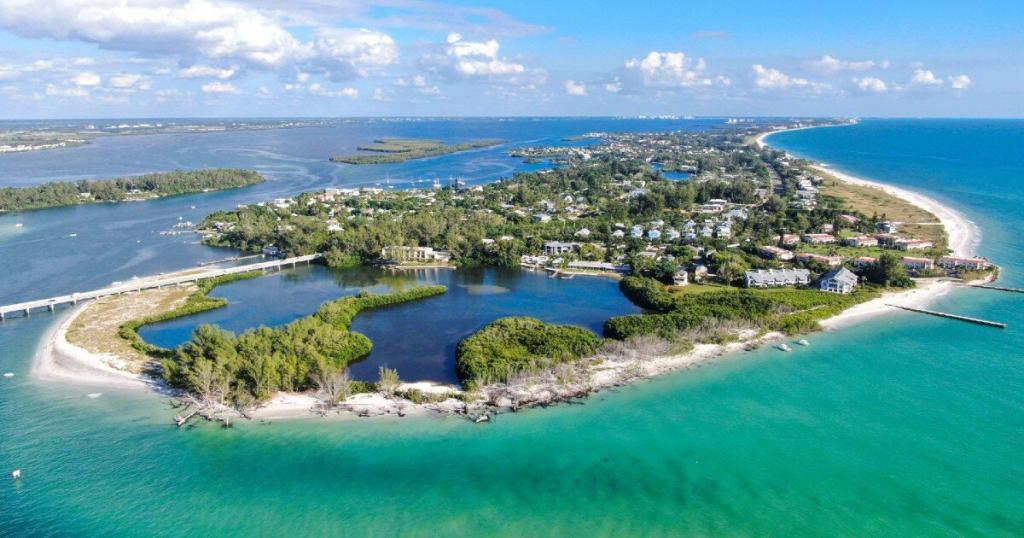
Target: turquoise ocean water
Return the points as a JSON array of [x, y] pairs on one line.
[[902, 425]]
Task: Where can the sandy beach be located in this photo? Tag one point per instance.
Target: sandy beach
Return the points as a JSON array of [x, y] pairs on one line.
[[59, 360]]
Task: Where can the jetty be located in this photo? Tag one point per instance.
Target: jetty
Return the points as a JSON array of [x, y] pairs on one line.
[[947, 315], [997, 288], [151, 282]]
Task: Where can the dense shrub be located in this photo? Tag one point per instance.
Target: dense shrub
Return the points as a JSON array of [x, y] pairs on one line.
[[511, 346], [253, 365]]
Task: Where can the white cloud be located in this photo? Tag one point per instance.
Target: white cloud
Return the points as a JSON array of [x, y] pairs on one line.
[[872, 84], [924, 77], [211, 28], [86, 79], [960, 82], [348, 53], [478, 59], [9, 72], [575, 88], [317, 89], [614, 86], [673, 69], [218, 31], [766, 78], [206, 71], [320, 90], [130, 81], [53, 91], [221, 88], [828, 65]]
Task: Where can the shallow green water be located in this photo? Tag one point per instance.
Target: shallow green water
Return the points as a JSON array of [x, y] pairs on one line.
[[905, 425]]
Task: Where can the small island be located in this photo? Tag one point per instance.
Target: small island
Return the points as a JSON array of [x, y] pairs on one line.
[[144, 187], [396, 150], [755, 247]]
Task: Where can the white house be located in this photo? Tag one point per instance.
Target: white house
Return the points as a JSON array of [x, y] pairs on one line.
[[838, 280], [559, 247], [776, 278], [953, 262]]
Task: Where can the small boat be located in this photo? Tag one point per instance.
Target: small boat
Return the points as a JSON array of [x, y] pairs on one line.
[[94, 395], [783, 347], [72, 235], [803, 342], [16, 474], [9, 374], [18, 225]]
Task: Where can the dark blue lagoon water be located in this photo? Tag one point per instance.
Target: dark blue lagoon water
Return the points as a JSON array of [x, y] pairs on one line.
[[904, 425], [418, 339]]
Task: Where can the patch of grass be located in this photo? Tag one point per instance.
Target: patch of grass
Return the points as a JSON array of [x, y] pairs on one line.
[[874, 201]]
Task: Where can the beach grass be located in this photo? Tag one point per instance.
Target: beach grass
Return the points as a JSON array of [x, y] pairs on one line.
[[868, 200]]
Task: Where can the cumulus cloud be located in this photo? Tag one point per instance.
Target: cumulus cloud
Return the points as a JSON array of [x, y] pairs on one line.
[[575, 88], [673, 69], [129, 82], [924, 77], [960, 82], [86, 79], [766, 78], [349, 53], [206, 71], [829, 65], [221, 88], [478, 58], [615, 86], [871, 85], [219, 31]]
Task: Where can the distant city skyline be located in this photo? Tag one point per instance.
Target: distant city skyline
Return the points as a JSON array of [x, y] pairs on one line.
[[219, 58]]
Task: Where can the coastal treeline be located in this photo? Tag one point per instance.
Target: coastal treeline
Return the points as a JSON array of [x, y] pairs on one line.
[[459, 221], [396, 150], [198, 301], [513, 346], [219, 366], [781, 309], [65, 193]]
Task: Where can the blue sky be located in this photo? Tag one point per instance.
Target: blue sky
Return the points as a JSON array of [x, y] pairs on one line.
[[207, 58]]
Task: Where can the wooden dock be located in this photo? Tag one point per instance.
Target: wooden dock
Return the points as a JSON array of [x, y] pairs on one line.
[[997, 288], [978, 321], [146, 283]]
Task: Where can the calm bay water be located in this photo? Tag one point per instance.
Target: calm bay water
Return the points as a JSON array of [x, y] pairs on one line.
[[419, 338], [902, 425]]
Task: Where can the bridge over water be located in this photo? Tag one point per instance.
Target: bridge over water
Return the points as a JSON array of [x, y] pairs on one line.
[[145, 283]]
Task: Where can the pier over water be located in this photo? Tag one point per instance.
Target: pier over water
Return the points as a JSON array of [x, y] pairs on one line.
[[151, 282]]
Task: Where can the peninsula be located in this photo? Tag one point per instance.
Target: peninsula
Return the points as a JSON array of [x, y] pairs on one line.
[[754, 247], [144, 187], [396, 150]]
